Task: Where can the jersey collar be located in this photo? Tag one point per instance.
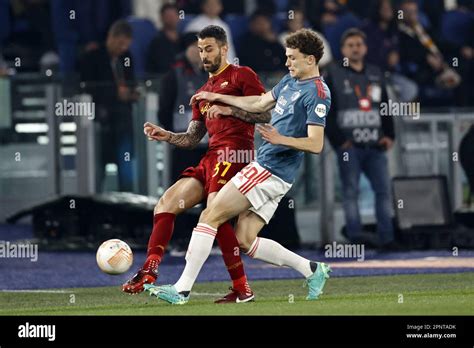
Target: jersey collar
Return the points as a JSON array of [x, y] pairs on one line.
[[309, 79], [221, 71]]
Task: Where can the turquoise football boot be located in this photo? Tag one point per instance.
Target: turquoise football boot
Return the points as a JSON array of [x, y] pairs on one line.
[[166, 293], [317, 281]]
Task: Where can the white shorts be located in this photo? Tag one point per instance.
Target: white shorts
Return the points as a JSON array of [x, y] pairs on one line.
[[263, 189]]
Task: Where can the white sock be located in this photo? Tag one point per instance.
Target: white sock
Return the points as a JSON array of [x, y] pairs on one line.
[[199, 249], [272, 252]]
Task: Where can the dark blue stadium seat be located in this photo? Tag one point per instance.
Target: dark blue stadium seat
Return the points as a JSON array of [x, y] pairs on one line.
[[279, 22], [183, 23], [101, 16], [281, 5], [126, 8], [91, 23], [65, 33], [96, 16], [333, 32], [143, 33], [86, 22], [456, 26], [424, 20], [4, 20], [238, 26]]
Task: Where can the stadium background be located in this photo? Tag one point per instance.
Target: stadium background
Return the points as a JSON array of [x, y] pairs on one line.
[[45, 158]]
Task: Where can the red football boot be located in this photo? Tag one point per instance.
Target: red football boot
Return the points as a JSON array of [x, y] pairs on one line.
[[145, 275], [237, 296]]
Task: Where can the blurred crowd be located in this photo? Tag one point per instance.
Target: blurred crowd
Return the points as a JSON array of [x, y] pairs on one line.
[[375, 51], [428, 45]]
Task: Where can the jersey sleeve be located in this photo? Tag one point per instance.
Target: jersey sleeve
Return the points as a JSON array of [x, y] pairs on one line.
[[277, 89], [251, 84], [317, 104], [197, 116]]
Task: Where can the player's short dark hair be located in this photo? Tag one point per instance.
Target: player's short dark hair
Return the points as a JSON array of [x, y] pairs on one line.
[[121, 28], [351, 32], [213, 31], [307, 41], [168, 6]]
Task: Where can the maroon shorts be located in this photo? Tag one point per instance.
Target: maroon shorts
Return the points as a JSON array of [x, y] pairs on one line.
[[211, 173]]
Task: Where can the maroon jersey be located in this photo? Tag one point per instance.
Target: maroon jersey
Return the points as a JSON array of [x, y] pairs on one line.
[[228, 131]]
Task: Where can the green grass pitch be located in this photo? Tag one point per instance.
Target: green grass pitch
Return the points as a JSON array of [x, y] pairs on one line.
[[435, 294]]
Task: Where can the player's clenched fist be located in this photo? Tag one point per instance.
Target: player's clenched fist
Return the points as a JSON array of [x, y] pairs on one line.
[[216, 110], [203, 96], [154, 132]]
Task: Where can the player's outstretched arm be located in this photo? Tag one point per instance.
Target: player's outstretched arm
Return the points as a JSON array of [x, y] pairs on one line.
[[254, 103], [312, 143], [189, 140], [251, 117], [216, 111]]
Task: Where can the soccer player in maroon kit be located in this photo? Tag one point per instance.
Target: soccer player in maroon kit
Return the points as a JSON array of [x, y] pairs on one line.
[[233, 131]]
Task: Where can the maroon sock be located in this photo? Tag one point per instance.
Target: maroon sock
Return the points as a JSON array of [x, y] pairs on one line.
[[163, 224], [231, 254]]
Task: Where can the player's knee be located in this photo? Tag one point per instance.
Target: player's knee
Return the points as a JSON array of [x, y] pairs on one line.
[[165, 205], [207, 217], [244, 245], [211, 217], [204, 215], [244, 242], [160, 207]]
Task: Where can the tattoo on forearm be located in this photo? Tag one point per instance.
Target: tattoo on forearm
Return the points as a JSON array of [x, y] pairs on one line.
[[192, 137], [249, 117]]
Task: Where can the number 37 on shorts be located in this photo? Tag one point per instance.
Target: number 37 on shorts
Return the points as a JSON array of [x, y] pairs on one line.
[[222, 167]]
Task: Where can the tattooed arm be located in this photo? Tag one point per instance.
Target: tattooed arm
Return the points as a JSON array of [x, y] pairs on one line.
[[216, 110], [189, 140], [263, 117]]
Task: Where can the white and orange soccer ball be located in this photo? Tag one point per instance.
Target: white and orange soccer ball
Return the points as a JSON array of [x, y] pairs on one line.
[[114, 256]]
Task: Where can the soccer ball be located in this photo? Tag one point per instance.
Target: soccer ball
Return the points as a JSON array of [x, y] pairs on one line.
[[114, 256]]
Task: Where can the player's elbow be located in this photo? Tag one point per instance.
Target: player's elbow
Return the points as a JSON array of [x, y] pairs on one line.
[[192, 145], [263, 107], [191, 142], [256, 108], [317, 146]]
